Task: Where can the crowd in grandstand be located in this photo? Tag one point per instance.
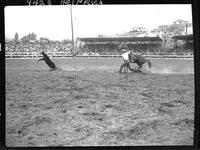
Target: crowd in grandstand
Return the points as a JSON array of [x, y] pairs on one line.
[[92, 49], [36, 46]]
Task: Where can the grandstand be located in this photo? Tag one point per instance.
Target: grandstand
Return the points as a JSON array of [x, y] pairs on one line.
[[111, 45], [99, 47], [188, 39], [187, 47]]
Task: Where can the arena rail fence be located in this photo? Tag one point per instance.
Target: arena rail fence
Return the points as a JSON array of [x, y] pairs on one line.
[[28, 55]]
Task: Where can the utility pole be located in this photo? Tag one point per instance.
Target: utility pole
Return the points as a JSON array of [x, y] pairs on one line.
[[164, 39], [186, 28], [72, 28]]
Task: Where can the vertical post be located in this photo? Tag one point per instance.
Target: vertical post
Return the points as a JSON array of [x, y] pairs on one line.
[[85, 47], [72, 28], [186, 28], [174, 44], [164, 41]]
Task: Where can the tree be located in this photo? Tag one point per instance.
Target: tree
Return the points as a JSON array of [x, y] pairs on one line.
[[29, 37], [44, 39], [66, 41], [179, 27], [32, 36], [16, 37]]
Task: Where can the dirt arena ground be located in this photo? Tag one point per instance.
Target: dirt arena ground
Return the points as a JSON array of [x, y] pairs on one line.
[[90, 104]]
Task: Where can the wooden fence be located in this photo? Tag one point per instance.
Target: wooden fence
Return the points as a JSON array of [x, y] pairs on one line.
[[64, 54]]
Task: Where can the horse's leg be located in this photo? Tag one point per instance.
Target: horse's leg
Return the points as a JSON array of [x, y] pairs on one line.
[[140, 66], [137, 67], [149, 63]]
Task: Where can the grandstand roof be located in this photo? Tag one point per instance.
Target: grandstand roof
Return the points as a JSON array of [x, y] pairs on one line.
[[121, 39], [183, 37]]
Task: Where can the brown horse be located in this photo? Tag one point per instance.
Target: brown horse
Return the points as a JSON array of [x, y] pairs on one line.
[[139, 60]]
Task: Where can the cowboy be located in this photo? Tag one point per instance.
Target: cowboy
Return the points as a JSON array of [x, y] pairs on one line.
[[48, 61], [125, 57]]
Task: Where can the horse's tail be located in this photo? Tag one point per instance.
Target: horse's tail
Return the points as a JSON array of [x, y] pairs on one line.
[[149, 63]]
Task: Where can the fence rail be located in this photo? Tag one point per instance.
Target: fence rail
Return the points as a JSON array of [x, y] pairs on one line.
[[62, 54]]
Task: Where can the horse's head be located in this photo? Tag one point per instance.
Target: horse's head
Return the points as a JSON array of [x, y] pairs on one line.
[[132, 57], [42, 52]]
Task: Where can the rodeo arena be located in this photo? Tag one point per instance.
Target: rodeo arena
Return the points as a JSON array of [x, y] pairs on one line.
[[100, 91]]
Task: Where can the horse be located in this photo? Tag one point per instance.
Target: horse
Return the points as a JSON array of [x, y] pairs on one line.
[[50, 63], [139, 60]]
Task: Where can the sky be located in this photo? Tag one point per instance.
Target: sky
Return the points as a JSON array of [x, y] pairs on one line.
[[54, 22]]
